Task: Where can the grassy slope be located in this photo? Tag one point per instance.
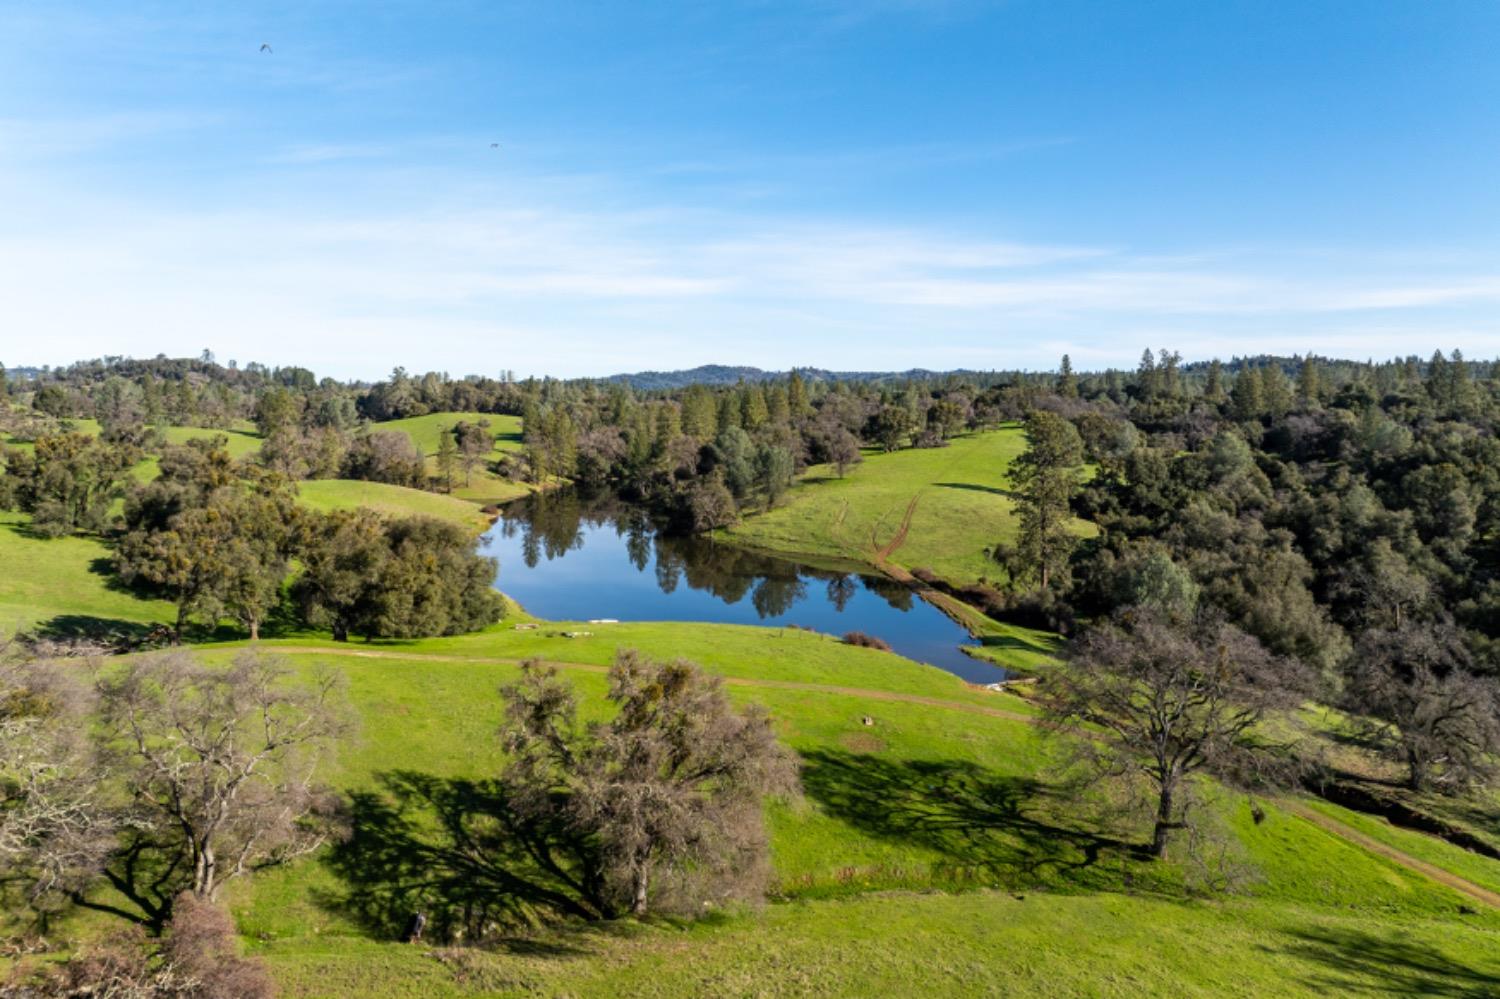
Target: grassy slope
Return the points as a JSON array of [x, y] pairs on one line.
[[397, 501], [962, 508], [484, 488], [921, 799], [42, 579]]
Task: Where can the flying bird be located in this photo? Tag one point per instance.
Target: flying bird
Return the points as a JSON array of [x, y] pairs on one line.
[[266, 47], [494, 145]]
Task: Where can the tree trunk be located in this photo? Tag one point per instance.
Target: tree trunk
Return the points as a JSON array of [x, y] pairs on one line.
[[638, 898], [255, 629], [340, 631], [1416, 777], [1164, 823]]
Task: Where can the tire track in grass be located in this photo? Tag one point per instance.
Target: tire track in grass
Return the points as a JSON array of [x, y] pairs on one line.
[[1433, 872]]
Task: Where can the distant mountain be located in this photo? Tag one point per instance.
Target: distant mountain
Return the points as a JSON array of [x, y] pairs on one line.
[[723, 374]]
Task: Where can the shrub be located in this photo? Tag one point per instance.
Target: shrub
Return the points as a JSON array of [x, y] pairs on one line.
[[864, 641]]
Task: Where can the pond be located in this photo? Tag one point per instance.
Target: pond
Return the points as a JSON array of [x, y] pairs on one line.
[[571, 559]]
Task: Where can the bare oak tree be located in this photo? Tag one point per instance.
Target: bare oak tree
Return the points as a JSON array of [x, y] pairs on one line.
[[221, 761], [1157, 699], [670, 789], [1413, 689], [55, 828]]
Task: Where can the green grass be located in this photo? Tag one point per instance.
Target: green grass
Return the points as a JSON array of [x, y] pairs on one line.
[[324, 495], [44, 579], [241, 442], [926, 797], [1479, 869], [484, 487], [963, 507], [902, 864], [979, 944]]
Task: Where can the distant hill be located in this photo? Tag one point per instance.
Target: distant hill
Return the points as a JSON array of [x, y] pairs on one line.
[[723, 374]]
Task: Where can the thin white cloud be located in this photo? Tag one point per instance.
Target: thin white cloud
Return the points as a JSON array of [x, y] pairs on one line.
[[546, 276]]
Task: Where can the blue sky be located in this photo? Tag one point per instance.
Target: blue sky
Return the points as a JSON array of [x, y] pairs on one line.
[[887, 184]]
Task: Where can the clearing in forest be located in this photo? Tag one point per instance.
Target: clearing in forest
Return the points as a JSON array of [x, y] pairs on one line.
[[937, 508]]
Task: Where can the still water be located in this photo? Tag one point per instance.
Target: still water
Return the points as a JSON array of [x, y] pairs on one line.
[[570, 559]]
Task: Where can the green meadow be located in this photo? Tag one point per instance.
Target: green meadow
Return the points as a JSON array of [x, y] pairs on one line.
[[324, 495], [45, 579], [936, 844], [941, 509], [483, 487]]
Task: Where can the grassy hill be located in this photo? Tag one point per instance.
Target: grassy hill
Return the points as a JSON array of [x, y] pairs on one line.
[[484, 488], [949, 790], [937, 508], [936, 845], [396, 501], [64, 578]]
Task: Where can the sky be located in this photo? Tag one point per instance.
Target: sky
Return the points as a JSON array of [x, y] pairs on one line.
[[574, 188]]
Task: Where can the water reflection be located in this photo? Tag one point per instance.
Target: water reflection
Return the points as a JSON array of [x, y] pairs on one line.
[[570, 558]]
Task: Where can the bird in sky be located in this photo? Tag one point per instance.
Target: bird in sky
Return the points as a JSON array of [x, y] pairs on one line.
[[266, 47], [494, 145]]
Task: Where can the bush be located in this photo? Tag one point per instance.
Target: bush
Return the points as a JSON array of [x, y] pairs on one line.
[[864, 641], [197, 959]]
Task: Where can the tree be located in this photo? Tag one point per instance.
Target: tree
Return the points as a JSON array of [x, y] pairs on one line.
[[1421, 704], [669, 789], [385, 456], [447, 457], [342, 553], [774, 468], [474, 442], [843, 450], [1046, 478], [1067, 382], [710, 504], [406, 578], [225, 555], [1152, 696], [221, 762], [69, 481], [55, 828], [892, 427]]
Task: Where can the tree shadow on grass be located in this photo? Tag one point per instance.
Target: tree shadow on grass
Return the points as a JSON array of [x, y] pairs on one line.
[[1001, 825], [1017, 643], [113, 632], [1359, 963], [458, 852], [975, 487]]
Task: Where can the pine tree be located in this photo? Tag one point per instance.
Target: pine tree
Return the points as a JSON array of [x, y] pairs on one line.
[[447, 457], [1213, 390], [1067, 383], [1046, 476], [1247, 398], [1309, 382]]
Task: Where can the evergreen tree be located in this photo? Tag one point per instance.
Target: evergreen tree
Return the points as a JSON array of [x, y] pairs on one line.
[[1067, 383], [1309, 382], [1246, 396], [1046, 476], [796, 396], [1213, 388], [447, 457]]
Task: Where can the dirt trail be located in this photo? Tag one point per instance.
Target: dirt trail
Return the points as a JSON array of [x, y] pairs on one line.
[[1324, 822], [1432, 871], [899, 538], [731, 681]]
